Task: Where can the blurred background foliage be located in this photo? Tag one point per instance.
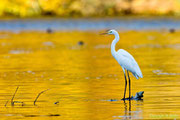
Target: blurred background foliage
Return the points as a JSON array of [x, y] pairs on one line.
[[86, 8]]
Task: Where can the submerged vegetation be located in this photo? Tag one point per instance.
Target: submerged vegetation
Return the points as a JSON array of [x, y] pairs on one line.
[[66, 8]]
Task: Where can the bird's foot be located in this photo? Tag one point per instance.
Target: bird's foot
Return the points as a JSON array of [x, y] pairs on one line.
[[123, 99], [127, 98], [138, 96]]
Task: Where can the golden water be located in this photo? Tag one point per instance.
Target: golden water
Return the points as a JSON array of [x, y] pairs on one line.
[[85, 78]]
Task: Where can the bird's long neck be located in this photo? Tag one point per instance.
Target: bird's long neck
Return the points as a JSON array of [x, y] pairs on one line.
[[113, 44]]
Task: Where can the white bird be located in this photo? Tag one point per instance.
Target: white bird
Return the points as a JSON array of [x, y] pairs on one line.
[[126, 61]]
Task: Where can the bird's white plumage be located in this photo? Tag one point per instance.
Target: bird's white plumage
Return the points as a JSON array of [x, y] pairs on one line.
[[125, 59], [127, 62]]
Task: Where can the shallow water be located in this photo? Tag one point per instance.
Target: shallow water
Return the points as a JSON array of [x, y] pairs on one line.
[[84, 79]]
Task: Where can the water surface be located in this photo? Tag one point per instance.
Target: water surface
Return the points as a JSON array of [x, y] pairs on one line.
[[85, 78]]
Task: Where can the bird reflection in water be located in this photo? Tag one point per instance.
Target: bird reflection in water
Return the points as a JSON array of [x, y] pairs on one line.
[[127, 110], [133, 114]]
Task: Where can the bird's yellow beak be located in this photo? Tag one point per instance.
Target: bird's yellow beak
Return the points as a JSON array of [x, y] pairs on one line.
[[104, 33]]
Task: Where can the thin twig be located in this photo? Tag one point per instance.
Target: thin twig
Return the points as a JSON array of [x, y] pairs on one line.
[[12, 102], [6, 103], [39, 95]]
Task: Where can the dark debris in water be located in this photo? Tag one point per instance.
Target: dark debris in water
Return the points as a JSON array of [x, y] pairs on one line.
[[49, 30], [56, 103], [80, 43], [172, 30], [50, 115], [113, 100], [138, 96]]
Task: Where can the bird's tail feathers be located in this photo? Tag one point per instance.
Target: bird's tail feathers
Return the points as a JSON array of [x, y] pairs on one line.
[[138, 74]]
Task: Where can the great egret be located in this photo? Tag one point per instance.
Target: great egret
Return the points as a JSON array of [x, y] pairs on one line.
[[126, 61]]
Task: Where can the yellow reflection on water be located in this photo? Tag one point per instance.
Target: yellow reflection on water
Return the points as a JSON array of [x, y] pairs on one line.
[[84, 78]]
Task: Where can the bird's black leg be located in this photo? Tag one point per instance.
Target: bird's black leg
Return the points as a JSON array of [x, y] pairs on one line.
[[129, 85], [125, 85]]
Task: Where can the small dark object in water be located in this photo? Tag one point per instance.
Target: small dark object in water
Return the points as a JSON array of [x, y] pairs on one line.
[[80, 43], [56, 102], [138, 96], [30, 115], [113, 100], [42, 115], [49, 30], [172, 30], [54, 115]]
